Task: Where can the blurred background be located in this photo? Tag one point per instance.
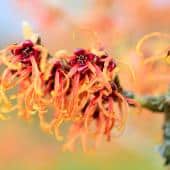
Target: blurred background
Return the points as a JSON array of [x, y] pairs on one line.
[[115, 25]]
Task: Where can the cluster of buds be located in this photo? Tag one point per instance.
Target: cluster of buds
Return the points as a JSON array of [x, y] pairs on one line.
[[79, 88]]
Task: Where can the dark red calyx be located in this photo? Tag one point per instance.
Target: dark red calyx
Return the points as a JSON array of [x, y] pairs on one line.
[[113, 86], [111, 66], [96, 113], [50, 82], [27, 44], [100, 63], [25, 51], [97, 93], [79, 51], [56, 67], [72, 61], [105, 98], [81, 57], [103, 56], [85, 107]]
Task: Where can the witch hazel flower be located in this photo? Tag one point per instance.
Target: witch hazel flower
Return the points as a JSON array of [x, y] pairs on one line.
[[80, 89], [23, 71], [25, 51], [82, 60]]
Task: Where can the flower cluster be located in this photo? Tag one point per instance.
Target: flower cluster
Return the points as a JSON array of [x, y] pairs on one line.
[[79, 88]]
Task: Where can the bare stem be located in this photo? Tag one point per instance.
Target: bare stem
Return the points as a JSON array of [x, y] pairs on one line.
[[159, 104]]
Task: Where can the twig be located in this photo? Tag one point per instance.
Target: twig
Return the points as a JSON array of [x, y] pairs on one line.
[[158, 104]]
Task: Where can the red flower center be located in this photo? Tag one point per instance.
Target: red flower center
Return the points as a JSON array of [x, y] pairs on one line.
[[25, 51]]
